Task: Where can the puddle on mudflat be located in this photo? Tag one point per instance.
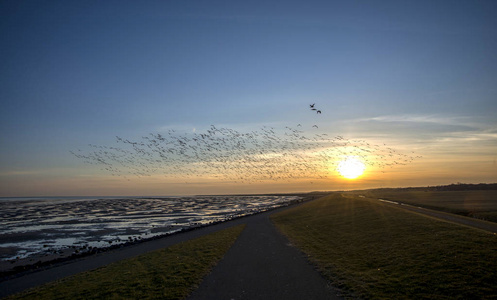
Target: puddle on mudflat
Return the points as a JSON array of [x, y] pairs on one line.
[[33, 226]]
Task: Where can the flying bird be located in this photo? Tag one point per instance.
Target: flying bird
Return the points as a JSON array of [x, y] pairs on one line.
[[319, 112], [234, 154], [312, 105]]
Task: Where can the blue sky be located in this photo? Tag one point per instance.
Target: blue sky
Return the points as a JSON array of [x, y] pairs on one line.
[[418, 75]]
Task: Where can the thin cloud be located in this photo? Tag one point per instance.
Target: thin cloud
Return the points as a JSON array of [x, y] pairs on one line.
[[426, 125], [413, 118], [20, 173]]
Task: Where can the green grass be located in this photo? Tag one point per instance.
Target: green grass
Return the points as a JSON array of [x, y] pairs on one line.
[[481, 204], [374, 251], [170, 273]]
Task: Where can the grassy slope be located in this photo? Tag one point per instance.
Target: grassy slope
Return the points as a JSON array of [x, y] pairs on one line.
[[480, 204], [170, 273], [380, 252]]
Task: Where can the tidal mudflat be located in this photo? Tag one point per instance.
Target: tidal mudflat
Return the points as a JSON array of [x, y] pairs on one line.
[[36, 230]]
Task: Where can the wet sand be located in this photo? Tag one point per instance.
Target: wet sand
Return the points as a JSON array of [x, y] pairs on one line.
[[58, 270], [38, 234]]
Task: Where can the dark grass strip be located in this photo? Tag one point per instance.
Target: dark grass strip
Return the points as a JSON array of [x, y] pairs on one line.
[[480, 204], [170, 273], [374, 251]]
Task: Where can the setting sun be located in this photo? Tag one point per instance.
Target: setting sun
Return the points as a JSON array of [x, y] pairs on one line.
[[351, 168]]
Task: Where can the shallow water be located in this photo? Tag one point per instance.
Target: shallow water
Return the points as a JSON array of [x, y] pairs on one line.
[[33, 226]]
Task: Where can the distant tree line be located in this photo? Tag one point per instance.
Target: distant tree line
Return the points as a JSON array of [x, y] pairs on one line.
[[464, 187], [451, 187]]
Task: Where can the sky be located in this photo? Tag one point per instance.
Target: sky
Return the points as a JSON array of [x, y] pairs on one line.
[[418, 77]]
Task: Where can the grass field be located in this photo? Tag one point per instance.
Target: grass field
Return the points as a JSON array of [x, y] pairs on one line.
[[477, 204], [374, 251], [170, 273]]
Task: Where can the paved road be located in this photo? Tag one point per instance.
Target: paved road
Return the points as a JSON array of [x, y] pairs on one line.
[[263, 265]]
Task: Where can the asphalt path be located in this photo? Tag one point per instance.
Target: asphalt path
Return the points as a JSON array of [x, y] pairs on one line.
[[262, 264], [72, 267]]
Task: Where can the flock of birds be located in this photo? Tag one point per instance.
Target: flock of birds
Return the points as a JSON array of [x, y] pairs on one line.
[[315, 109], [266, 154]]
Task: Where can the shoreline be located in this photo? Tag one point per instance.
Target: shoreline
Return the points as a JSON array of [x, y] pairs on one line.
[[13, 269], [36, 277]]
